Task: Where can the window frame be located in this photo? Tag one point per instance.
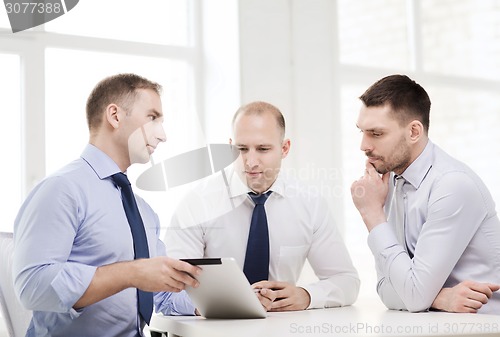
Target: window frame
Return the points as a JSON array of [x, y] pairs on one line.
[[31, 44]]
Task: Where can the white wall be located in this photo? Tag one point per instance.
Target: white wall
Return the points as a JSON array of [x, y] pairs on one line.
[[287, 58]]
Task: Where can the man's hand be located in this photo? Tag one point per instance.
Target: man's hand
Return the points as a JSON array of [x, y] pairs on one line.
[[164, 274], [369, 194], [282, 296], [467, 296], [265, 296]]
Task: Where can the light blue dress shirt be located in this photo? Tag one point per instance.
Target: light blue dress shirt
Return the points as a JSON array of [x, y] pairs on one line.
[[70, 224], [452, 231]]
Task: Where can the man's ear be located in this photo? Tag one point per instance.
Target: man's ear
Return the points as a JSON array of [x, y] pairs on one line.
[[112, 116], [285, 148], [416, 131]]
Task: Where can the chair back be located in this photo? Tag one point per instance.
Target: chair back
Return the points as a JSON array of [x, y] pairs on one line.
[[16, 317]]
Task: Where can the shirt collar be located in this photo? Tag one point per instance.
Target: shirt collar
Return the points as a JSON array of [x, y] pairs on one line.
[[100, 162], [416, 172]]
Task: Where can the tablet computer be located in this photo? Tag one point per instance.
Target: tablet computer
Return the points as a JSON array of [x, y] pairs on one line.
[[224, 291]]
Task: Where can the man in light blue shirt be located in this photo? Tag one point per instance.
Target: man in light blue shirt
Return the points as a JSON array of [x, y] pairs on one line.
[[436, 236], [74, 255]]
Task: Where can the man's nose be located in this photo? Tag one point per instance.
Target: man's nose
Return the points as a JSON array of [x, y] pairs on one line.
[[250, 159], [160, 135], [365, 144]]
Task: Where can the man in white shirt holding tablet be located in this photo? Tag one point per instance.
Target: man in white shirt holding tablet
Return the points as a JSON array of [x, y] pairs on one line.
[[215, 218]]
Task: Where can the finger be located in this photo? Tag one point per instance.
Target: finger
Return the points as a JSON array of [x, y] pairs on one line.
[[284, 292], [472, 304], [465, 309], [481, 288], [494, 287], [274, 285], [370, 169], [185, 267], [479, 297], [358, 190], [186, 279], [262, 284], [284, 304], [183, 279], [267, 293], [385, 177], [174, 285], [265, 302]]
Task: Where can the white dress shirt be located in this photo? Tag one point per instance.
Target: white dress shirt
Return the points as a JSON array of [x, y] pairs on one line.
[[214, 220], [451, 230]]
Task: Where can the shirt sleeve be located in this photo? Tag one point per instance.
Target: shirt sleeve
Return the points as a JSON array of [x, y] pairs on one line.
[[44, 233], [455, 211], [174, 304], [338, 283]]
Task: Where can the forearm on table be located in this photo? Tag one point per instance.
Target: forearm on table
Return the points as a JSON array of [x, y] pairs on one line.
[[402, 284], [336, 291]]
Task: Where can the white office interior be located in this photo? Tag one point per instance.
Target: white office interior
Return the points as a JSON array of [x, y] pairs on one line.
[[310, 58]]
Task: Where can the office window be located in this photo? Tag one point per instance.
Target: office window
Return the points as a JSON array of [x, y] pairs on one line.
[[373, 33], [166, 22], [4, 19], [463, 122], [461, 38], [10, 139]]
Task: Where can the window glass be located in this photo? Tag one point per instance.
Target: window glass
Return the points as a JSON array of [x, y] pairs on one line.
[[10, 140], [150, 21], [373, 33], [461, 38], [4, 19], [462, 123]]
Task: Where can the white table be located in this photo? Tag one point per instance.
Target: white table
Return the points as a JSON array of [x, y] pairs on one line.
[[369, 319]]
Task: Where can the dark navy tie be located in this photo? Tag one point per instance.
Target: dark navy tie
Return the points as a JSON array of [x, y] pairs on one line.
[[145, 299], [256, 266]]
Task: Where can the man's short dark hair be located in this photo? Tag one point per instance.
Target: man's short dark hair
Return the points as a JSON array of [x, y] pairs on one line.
[[408, 100]]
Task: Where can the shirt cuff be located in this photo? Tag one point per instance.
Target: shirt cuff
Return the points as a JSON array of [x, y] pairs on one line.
[[71, 283], [381, 237], [316, 295], [174, 304]]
